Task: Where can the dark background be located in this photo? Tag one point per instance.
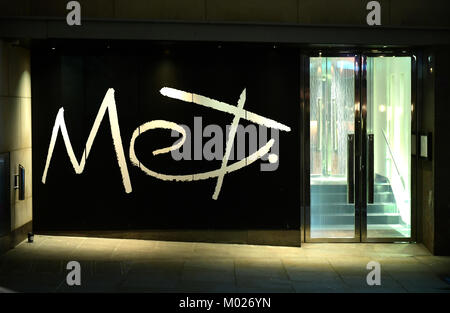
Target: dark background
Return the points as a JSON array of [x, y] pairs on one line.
[[76, 76]]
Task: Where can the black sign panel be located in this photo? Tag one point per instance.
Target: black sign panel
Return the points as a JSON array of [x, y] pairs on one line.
[[148, 81]]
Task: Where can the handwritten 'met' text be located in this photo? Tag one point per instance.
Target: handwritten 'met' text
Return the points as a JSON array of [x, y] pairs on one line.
[[109, 104]]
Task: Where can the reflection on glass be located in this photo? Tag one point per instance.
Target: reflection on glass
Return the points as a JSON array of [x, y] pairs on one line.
[[389, 120], [332, 95]]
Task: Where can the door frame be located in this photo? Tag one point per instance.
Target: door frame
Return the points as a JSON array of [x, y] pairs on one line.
[[360, 141], [414, 158], [306, 142]]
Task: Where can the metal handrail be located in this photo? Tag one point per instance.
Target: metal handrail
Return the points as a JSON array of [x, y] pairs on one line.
[[392, 157]]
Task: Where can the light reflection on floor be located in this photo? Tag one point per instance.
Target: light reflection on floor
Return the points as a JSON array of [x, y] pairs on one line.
[[126, 265]]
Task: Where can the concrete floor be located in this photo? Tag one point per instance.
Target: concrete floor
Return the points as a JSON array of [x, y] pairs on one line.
[[125, 265]]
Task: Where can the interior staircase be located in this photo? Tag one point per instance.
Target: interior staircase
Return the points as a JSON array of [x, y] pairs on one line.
[[330, 209]]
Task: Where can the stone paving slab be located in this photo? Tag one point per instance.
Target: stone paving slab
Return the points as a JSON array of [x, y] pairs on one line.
[[128, 265]]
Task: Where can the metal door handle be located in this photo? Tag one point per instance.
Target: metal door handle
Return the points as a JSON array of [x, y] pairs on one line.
[[351, 168], [371, 169]]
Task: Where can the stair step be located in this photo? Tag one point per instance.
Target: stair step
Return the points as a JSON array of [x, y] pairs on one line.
[[342, 197], [346, 208], [342, 188], [350, 214], [348, 219]]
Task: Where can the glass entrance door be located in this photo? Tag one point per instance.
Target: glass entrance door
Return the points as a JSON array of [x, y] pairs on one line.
[[360, 148], [332, 127], [387, 210]]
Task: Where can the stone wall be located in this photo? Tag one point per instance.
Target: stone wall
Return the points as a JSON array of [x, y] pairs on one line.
[[349, 12], [15, 127]]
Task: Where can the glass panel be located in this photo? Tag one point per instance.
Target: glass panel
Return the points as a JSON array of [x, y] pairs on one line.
[[389, 120], [332, 98]]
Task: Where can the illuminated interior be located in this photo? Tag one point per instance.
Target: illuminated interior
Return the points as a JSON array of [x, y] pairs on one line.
[[389, 120], [332, 118], [332, 88]]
